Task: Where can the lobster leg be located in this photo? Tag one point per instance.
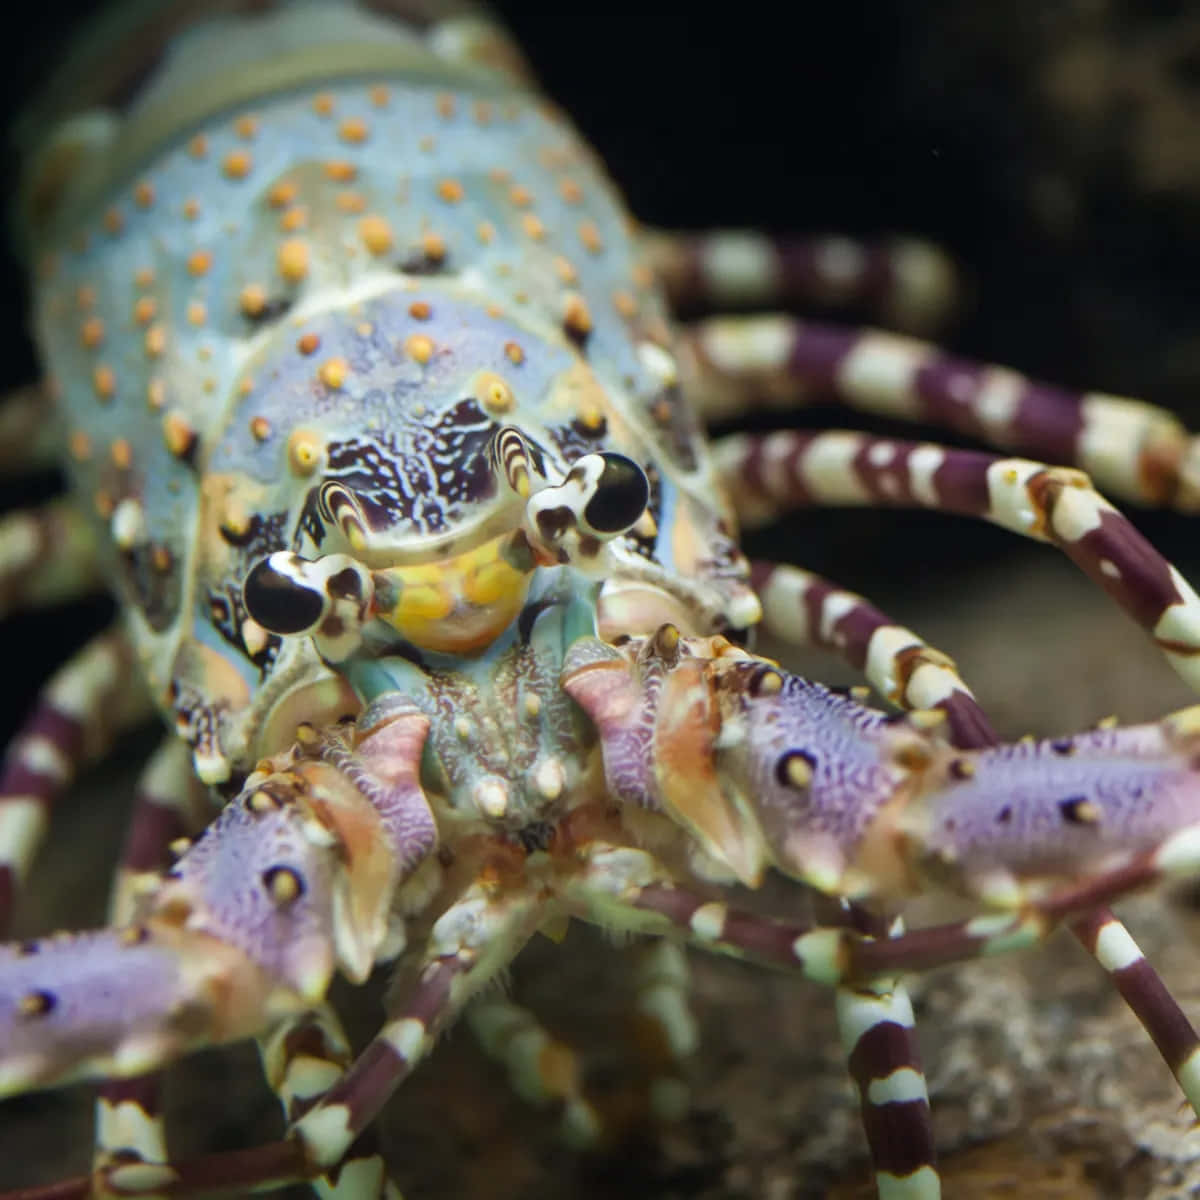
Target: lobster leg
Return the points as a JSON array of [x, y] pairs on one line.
[[803, 608], [129, 1122], [545, 1072], [472, 941], [783, 471], [47, 555], [303, 1058], [28, 437], [1134, 450], [905, 281], [78, 714]]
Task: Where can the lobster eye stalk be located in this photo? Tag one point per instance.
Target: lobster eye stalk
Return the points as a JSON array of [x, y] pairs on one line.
[[602, 496]]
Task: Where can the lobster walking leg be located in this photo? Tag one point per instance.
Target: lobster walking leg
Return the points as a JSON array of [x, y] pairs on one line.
[[129, 1124], [805, 609], [546, 1072], [905, 281], [542, 1069], [1134, 450], [47, 555], [783, 471], [28, 438], [302, 1059], [80, 711]]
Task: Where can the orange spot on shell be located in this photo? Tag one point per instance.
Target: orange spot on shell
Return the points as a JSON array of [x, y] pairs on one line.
[[246, 126], [91, 333], [114, 221], [191, 208], [354, 130], [533, 227], [520, 196], [494, 393], [178, 435], [419, 310], [156, 341], [295, 219], [143, 194], [450, 190], [322, 104], [333, 372], [589, 235], [445, 105], [625, 304], [352, 202], [281, 194], [419, 347], [156, 394], [309, 343], [145, 309], [379, 95], [514, 353], [121, 453], [485, 231], [570, 191], [340, 171], [376, 234], [237, 164], [260, 428], [304, 452], [197, 312], [565, 270], [80, 446], [198, 146], [577, 318], [199, 262], [104, 382], [144, 277], [292, 260], [433, 247], [252, 300]]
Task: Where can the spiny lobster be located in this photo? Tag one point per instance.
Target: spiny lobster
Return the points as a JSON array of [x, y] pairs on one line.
[[383, 437]]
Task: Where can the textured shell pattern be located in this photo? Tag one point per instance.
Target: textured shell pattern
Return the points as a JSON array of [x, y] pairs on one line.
[[352, 267]]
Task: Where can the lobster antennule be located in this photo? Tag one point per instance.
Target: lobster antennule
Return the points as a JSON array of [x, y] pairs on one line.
[[858, 803]]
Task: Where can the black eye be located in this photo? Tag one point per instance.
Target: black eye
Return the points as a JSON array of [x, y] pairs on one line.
[[279, 603], [622, 493]]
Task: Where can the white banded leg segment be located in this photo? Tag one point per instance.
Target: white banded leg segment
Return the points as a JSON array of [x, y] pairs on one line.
[[47, 556], [302, 1059], [542, 1070], [667, 1031], [908, 282], [805, 609], [772, 474], [1134, 450], [78, 714], [877, 1032]]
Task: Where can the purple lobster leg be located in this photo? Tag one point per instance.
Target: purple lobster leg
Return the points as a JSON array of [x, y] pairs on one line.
[[805, 609], [78, 714], [783, 471], [1134, 450], [906, 282], [169, 804], [471, 942]]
